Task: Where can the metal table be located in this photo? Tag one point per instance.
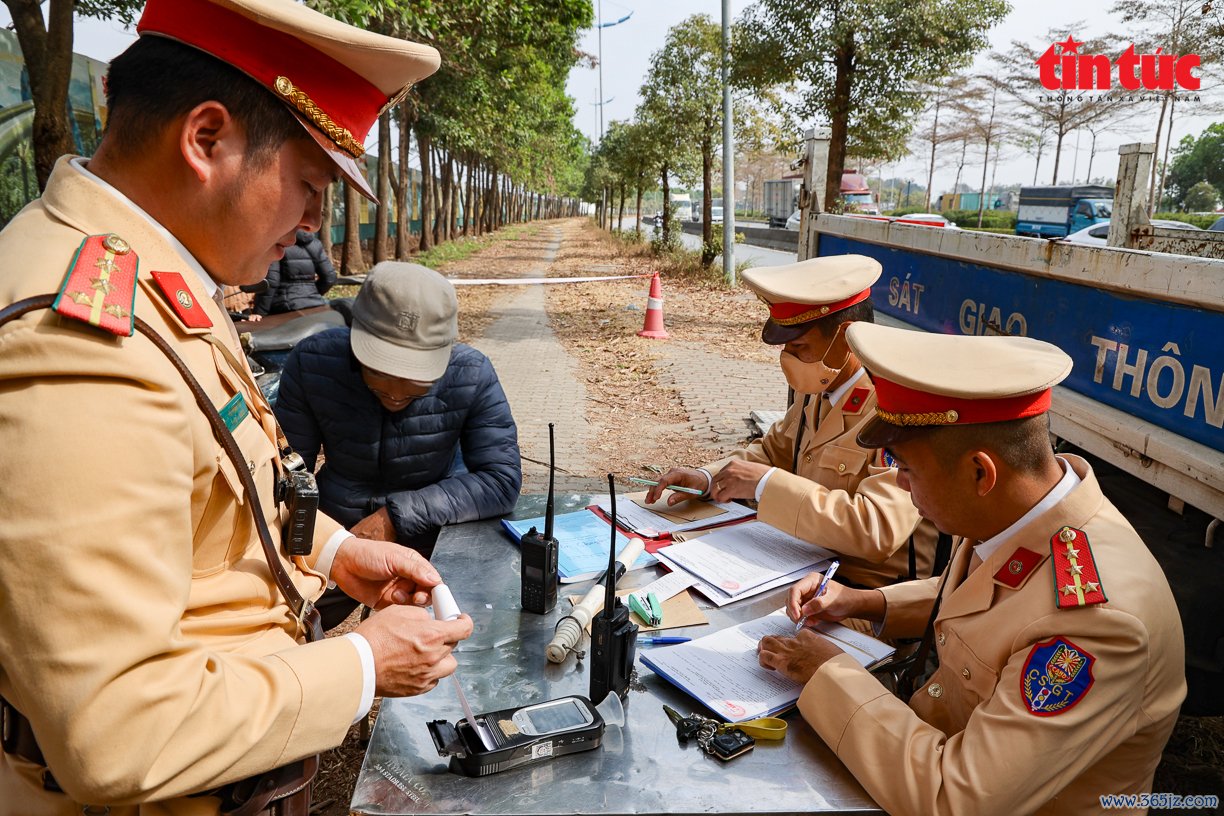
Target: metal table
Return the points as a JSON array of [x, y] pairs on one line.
[[640, 768]]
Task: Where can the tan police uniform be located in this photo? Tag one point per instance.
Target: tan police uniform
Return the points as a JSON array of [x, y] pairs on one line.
[[1061, 659], [143, 636], [834, 493]]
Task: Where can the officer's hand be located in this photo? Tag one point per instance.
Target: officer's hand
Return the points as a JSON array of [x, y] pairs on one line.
[[412, 651], [796, 657], [681, 477], [738, 480], [381, 573], [377, 525], [836, 603]]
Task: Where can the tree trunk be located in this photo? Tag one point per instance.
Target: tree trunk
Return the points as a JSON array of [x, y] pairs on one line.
[[1058, 140], [427, 188], [620, 215], [666, 209], [469, 199], [1164, 164], [325, 226], [931, 169], [1164, 104], [707, 201], [839, 115], [403, 205], [353, 263], [47, 51], [637, 210], [382, 213]]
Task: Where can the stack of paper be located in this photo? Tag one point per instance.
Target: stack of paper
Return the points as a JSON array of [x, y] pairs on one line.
[[659, 518], [583, 539], [744, 560], [723, 673]]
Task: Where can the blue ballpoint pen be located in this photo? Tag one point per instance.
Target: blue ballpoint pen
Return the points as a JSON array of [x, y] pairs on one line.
[[662, 641], [820, 590]]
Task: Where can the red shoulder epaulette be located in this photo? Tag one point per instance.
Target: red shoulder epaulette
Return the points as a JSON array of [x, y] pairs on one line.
[[100, 287], [1076, 582], [856, 400]]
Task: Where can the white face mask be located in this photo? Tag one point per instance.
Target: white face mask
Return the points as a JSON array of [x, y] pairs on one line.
[[813, 378]]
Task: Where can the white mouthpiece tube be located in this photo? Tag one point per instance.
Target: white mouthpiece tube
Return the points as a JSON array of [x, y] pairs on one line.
[[444, 605], [569, 630]]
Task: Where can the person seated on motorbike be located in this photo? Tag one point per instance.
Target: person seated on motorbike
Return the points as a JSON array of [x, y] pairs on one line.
[[299, 280], [415, 427]]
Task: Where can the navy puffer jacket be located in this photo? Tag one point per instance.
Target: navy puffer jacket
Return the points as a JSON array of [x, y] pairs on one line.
[[405, 460], [299, 280]]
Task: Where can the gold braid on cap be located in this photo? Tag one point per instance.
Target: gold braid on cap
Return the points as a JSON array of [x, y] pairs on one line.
[[803, 317], [928, 418], [298, 98]]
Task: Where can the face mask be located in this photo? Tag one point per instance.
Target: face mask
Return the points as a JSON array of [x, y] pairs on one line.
[[812, 378]]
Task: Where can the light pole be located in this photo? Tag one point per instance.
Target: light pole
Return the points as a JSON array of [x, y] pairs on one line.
[[600, 25], [728, 151]]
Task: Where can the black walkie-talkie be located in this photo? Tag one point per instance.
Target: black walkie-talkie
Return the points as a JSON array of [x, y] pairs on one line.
[[539, 553], [613, 635]]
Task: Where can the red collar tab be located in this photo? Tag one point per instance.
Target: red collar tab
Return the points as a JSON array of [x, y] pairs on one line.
[[1018, 567], [856, 400], [266, 54], [100, 287], [1076, 582], [184, 304], [792, 314], [899, 403]]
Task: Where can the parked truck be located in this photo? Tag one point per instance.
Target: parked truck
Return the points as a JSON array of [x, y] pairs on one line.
[[1145, 329], [1056, 212], [781, 199], [856, 195]]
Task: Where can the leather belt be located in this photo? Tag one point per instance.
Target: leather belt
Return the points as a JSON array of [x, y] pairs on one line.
[[18, 736]]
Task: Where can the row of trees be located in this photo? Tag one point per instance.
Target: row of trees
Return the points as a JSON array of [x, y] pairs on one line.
[[859, 65], [492, 129], [981, 116]]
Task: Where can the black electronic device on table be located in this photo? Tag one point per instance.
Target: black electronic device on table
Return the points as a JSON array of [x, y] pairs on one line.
[[613, 635], [538, 592], [520, 736]]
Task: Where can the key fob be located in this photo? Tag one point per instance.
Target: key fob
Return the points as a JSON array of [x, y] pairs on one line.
[[730, 744]]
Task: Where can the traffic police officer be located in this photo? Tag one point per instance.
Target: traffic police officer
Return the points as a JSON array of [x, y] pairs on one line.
[[151, 640], [810, 478], [1061, 660]]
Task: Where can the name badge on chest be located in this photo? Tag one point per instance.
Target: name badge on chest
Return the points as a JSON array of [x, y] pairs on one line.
[[234, 412]]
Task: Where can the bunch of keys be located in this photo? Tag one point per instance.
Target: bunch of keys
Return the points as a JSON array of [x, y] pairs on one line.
[[717, 739]]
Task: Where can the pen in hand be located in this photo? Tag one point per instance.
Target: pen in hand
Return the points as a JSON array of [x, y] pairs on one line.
[[820, 590], [677, 488]]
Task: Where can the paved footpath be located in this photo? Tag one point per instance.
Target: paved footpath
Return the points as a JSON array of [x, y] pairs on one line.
[[541, 382], [719, 393]]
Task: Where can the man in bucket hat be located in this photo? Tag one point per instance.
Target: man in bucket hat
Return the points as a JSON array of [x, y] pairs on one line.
[[151, 652]]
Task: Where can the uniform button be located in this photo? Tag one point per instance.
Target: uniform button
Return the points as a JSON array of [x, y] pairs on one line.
[[807, 458], [942, 638], [935, 690], [841, 467], [251, 466], [965, 673]]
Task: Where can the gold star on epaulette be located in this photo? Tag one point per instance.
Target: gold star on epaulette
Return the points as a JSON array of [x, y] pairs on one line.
[[1091, 586], [1076, 569], [100, 284], [106, 266], [1072, 552], [116, 311], [1068, 590], [81, 298]]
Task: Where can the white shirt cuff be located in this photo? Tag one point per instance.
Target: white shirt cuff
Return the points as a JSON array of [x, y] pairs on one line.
[[709, 480], [760, 488], [324, 563], [367, 674]]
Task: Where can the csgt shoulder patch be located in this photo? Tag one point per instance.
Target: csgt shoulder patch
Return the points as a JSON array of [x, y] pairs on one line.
[[1056, 676]]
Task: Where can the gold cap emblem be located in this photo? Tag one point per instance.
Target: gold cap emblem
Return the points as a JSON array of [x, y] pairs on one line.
[[184, 298]]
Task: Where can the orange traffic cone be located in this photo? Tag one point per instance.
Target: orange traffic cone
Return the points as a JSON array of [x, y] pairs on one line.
[[653, 326]]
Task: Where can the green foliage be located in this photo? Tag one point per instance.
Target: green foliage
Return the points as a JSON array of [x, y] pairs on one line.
[[858, 63], [717, 233], [122, 11], [1200, 221], [991, 219], [1197, 159], [1202, 197]]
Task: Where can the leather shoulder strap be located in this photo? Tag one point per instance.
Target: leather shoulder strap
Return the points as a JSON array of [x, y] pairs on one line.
[[303, 610]]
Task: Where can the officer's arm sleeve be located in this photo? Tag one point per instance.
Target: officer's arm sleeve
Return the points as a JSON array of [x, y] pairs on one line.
[[127, 698], [871, 523], [294, 413], [1007, 760], [489, 488]]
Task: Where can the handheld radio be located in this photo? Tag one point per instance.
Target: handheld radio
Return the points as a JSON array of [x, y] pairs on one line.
[[538, 591], [613, 636]]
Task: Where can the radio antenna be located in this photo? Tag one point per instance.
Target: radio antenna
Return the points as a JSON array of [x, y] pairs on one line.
[[610, 593], [552, 472]]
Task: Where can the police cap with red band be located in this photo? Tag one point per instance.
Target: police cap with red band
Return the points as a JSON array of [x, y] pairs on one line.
[[336, 79], [926, 380], [799, 294]]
